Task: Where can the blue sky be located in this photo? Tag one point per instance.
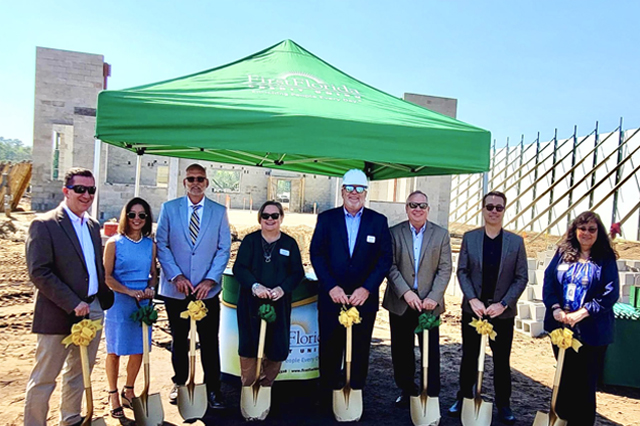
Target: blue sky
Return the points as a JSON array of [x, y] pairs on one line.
[[515, 66]]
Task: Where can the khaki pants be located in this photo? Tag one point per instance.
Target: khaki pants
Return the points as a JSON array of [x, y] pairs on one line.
[[268, 372], [51, 358]]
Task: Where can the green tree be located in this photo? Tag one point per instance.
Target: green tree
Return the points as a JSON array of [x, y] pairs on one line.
[[14, 150]]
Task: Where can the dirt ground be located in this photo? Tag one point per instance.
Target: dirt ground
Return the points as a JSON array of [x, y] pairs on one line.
[[293, 403]]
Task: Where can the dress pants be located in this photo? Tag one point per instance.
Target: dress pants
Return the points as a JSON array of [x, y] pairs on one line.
[[403, 355], [332, 349], [207, 336], [501, 349], [577, 392], [51, 358]]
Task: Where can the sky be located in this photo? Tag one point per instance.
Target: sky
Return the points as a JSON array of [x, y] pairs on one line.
[[516, 67]]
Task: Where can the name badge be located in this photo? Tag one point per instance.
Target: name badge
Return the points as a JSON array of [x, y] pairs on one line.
[[371, 239], [571, 292], [284, 252], [563, 267]]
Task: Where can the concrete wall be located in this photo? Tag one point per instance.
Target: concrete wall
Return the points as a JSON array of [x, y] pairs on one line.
[[67, 84]]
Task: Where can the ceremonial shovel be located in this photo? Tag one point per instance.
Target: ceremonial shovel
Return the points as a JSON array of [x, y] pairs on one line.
[[147, 409], [476, 411], [86, 378], [192, 398], [552, 419], [425, 410], [255, 400], [347, 402]]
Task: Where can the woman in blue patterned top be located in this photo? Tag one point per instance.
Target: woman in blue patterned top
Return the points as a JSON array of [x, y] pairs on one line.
[[129, 264], [581, 286]]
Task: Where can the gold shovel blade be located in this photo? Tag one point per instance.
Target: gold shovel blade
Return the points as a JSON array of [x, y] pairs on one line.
[[544, 419], [255, 402], [425, 410], [347, 404], [192, 404], [476, 414], [149, 412]]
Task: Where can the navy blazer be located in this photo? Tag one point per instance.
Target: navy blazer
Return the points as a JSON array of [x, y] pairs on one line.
[[597, 328], [333, 264]]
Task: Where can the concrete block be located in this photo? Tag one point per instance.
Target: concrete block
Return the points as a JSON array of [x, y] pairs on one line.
[[532, 276], [526, 295], [537, 311], [539, 277], [532, 262], [629, 278], [624, 299], [622, 265], [536, 292], [625, 289], [633, 265], [518, 324], [532, 328], [524, 310]]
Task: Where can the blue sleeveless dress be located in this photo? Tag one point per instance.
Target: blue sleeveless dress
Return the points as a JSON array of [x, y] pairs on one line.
[[131, 269]]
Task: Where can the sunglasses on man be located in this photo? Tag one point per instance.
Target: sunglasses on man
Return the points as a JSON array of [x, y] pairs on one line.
[[81, 189], [499, 208], [141, 215], [422, 206], [192, 179], [351, 188], [274, 216], [590, 229]]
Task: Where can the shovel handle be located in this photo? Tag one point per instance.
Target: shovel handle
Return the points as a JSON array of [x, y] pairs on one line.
[[192, 352], [483, 347], [145, 357], [261, 341], [86, 378], [425, 359], [556, 379]]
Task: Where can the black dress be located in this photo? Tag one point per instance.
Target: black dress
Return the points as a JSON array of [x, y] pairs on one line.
[[284, 269]]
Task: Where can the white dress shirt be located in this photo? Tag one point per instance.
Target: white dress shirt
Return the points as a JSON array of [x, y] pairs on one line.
[[417, 246], [86, 243]]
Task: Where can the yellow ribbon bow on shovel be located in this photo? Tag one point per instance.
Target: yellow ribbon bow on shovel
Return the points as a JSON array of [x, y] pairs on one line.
[[349, 317], [82, 333], [196, 310], [484, 327], [563, 338]]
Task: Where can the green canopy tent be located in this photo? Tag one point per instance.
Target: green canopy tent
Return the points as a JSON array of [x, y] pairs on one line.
[[285, 108]]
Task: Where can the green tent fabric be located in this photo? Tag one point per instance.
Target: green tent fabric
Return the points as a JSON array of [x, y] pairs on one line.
[[285, 108]]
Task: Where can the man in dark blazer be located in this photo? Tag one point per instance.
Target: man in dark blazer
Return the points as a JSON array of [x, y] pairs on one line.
[[194, 243], [418, 278], [492, 271], [64, 258], [351, 254]]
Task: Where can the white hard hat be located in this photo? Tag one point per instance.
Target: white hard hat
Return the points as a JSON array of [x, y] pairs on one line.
[[355, 177]]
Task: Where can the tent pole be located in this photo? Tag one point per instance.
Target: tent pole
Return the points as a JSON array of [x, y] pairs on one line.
[[136, 192], [96, 176]]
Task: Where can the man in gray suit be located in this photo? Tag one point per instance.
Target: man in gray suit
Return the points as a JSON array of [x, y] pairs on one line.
[[417, 281], [64, 258], [194, 244], [492, 271]]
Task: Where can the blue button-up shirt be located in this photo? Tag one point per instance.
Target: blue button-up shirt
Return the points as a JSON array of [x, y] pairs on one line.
[[353, 225], [86, 243], [417, 247]]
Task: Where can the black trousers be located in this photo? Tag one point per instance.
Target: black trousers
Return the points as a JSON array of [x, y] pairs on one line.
[[333, 337], [403, 355], [208, 336], [577, 392], [501, 348]]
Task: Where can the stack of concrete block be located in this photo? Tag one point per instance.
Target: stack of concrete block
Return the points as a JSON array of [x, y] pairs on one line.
[[629, 273], [530, 318]]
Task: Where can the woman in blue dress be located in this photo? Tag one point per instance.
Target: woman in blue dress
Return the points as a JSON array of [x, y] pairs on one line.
[[129, 263], [580, 288]]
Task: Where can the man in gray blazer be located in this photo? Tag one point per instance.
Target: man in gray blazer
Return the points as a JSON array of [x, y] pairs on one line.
[[64, 258], [418, 278], [194, 243], [492, 271]]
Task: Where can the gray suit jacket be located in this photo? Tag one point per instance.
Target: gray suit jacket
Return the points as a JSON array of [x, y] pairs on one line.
[[512, 275], [207, 258], [434, 270], [58, 270]]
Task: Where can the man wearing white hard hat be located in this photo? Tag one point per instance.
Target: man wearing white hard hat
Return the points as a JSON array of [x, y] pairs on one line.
[[351, 255]]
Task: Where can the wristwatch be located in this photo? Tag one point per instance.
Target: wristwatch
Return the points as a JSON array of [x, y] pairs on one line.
[[504, 304], [253, 288]]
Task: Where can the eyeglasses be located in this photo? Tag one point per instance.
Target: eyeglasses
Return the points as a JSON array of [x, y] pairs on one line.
[[590, 229], [351, 188], [423, 206], [141, 215], [499, 208], [274, 216], [81, 189], [191, 179]]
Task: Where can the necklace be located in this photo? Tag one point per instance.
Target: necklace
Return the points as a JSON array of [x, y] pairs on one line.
[[267, 249], [132, 240]]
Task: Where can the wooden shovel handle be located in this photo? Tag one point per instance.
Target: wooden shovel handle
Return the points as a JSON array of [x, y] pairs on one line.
[[425, 358], [347, 356], [261, 342], [556, 379], [192, 353], [483, 346], [86, 378], [145, 358]]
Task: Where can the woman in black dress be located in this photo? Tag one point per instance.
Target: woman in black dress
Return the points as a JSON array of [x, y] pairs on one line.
[[268, 267]]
